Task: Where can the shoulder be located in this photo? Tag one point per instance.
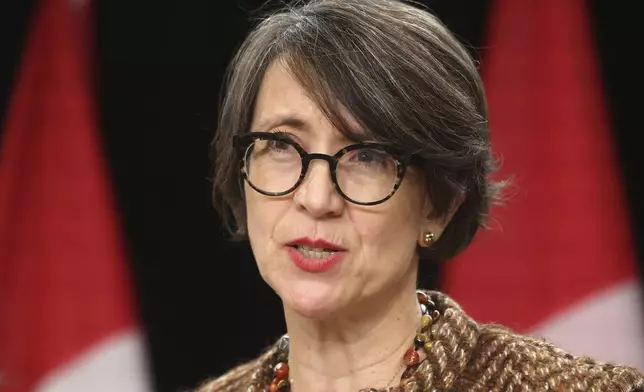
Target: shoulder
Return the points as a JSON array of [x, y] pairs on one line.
[[502, 358], [486, 357]]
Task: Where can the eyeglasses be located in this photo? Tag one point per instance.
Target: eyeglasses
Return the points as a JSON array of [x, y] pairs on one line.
[[367, 173]]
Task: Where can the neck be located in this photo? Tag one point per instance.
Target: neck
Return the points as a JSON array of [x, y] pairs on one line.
[[362, 347]]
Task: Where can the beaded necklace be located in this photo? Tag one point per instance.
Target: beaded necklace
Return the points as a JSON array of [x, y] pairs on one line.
[[278, 370]]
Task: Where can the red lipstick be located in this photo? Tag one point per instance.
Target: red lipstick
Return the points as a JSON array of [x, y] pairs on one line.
[[314, 264]]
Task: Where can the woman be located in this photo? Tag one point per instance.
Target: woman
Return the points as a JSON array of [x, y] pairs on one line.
[[352, 145]]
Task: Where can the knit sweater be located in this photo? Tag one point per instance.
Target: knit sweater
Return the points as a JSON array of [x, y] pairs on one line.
[[473, 357]]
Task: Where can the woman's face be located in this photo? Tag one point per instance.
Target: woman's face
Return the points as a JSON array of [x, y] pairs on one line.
[[375, 245]]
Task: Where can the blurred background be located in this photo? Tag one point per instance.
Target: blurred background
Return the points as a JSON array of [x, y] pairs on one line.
[[106, 226]]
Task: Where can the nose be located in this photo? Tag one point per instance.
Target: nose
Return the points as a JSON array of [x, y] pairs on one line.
[[317, 194]]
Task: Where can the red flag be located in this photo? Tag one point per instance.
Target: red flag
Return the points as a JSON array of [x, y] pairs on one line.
[[67, 321], [559, 261]]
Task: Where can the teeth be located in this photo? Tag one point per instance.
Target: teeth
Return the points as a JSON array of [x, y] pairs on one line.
[[314, 253]]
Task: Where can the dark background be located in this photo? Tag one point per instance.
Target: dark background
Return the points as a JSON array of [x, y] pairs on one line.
[[159, 67]]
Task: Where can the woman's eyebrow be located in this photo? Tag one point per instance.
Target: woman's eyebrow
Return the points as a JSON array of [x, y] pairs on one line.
[[285, 119]]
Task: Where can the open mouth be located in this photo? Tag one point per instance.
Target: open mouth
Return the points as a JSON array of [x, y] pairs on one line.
[[313, 253]]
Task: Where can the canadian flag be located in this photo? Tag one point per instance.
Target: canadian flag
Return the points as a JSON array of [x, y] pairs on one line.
[[67, 320], [559, 261]]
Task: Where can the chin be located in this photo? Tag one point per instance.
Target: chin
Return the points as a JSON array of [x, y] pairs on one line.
[[312, 299]]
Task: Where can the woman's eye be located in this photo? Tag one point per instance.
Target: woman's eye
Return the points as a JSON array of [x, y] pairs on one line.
[[370, 156], [278, 145]]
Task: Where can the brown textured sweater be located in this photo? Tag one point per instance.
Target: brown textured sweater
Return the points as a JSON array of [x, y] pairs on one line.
[[467, 356]]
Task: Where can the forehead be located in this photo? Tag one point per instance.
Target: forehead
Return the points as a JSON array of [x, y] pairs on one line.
[[283, 101]]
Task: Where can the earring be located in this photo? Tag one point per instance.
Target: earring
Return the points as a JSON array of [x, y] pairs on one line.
[[428, 238]]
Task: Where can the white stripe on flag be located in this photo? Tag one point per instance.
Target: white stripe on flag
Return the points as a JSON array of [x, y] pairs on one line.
[[113, 365], [609, 326]]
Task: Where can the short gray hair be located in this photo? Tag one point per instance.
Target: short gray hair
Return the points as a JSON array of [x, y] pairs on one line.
[[399, 72]]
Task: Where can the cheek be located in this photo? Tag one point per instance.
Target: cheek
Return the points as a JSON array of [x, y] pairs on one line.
[[258, 217], [387, 233], [263, 215], [392, 231]]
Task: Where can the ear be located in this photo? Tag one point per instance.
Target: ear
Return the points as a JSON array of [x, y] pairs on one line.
[[428, 207], [436, 225], [456, 204]]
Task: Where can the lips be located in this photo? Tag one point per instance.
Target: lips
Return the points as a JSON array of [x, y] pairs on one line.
[[315, 244], [314, 255]]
